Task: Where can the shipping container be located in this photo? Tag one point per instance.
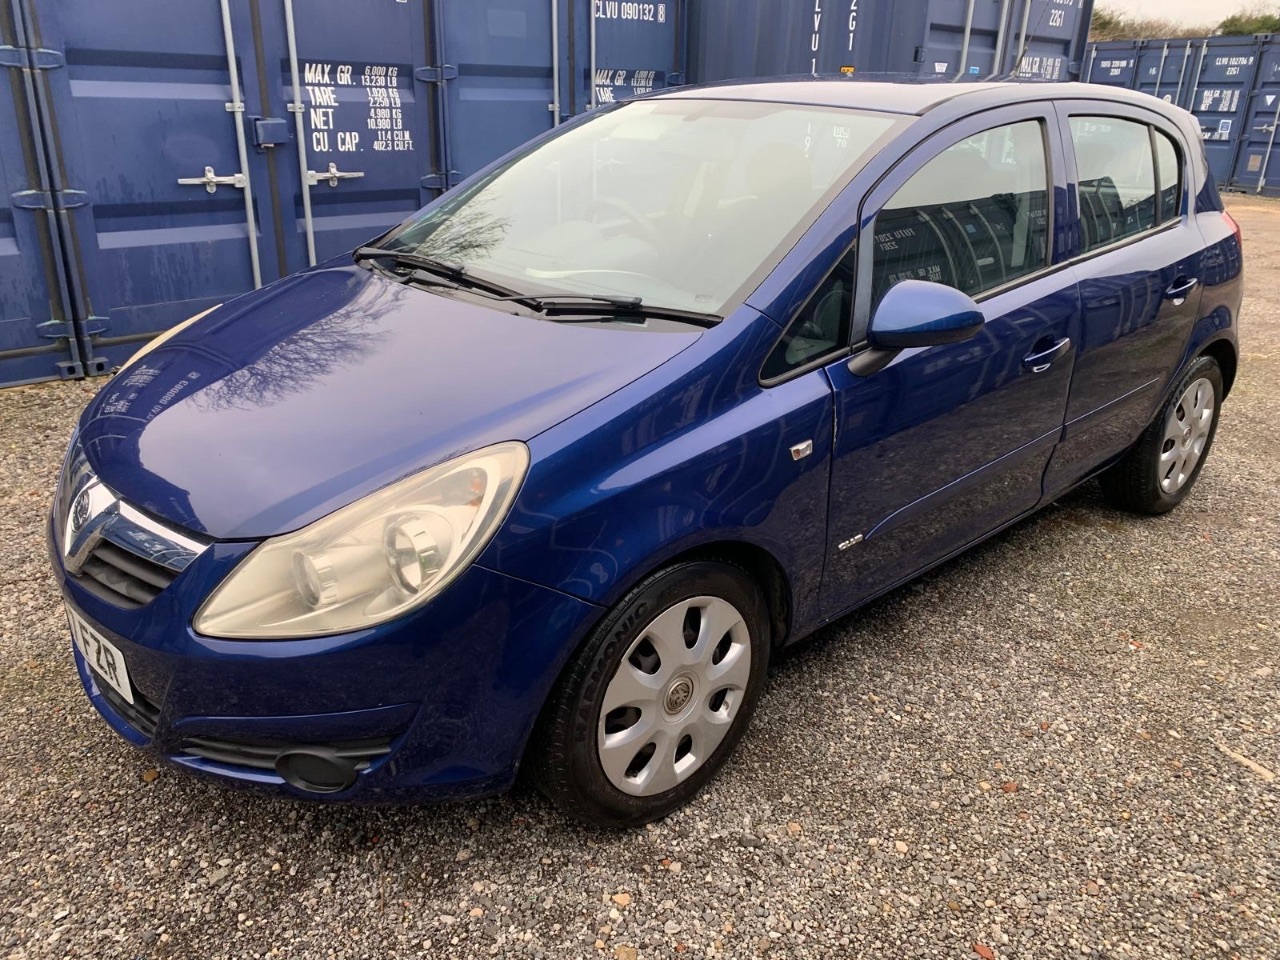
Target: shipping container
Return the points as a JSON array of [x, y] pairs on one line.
[[1112, 63], [1225, 71], [1257, 168], [1166, 69], [731, 39], [37, 337], [1230, 84], [174, 155]]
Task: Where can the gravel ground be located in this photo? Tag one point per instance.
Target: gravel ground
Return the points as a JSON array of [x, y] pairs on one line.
[[1044, 749]]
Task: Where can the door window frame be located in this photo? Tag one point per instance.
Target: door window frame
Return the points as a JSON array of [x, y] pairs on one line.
[[925, 152], [1155, 121]]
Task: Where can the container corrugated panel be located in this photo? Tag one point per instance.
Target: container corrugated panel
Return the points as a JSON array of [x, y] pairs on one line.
[[1257, 166], [1219, 100], [1112, 62], [197, 168], [732, 39], [37, 339]]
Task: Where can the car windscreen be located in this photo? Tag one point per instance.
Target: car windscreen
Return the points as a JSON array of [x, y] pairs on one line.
[[676, 201]]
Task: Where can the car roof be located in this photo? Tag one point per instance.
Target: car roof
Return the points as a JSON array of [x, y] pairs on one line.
[[899, 94]]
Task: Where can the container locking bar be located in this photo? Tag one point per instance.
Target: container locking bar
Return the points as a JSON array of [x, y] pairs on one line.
[[211, 181], [332, 176]]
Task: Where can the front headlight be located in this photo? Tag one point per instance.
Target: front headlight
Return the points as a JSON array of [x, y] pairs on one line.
[[371, 561]]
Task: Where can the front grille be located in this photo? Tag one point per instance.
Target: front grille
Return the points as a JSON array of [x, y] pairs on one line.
[[261, 755], [142, 714], [125, 579]]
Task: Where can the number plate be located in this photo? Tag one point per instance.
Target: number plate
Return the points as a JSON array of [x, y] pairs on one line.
[[103, 657]]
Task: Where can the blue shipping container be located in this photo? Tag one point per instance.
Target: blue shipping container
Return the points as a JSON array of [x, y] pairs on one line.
[[732, 39], [196, 150], [1230, 84], [37, 337]]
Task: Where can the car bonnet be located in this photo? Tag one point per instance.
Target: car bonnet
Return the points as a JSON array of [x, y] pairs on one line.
[[303, 397]]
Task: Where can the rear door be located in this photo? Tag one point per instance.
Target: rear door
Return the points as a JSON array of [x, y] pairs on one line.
[[1137, 260], [947, 443]]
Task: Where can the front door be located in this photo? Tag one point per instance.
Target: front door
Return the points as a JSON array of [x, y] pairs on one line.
[[947, 443]]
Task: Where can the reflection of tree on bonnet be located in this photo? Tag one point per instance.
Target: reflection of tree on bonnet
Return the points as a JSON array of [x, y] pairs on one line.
[[337, 339]]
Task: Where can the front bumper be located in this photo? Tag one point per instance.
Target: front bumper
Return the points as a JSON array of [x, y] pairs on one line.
[[452, 690]]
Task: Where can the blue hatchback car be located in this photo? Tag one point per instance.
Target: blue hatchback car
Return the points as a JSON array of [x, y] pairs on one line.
[[542, 478]]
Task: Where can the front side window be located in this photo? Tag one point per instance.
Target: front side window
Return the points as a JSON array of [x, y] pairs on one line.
[[975, 217], [822, 325], [1116, 175], [677, 201]]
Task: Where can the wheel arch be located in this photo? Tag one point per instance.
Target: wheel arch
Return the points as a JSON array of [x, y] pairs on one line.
[[759, 564], [1224, 352]]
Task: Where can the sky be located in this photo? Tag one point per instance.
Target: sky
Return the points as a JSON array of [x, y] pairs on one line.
[[1186, 11]]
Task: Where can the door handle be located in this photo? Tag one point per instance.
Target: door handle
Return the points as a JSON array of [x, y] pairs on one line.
[[1181, 287], [1042, 361]]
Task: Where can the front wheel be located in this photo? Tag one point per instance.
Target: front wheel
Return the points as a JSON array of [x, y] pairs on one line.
[[657, 698], [1159, 471]]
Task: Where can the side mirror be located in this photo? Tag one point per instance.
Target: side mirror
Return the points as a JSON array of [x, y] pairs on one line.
[[917, 313]]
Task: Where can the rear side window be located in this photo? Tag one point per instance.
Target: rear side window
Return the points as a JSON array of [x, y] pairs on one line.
[[1169, 171], [974, 217], [1116, 175]]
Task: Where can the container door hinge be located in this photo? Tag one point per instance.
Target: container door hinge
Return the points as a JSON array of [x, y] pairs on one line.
[[57, 329], [441, 181], [66, 329], [39, 59], [675, 79], [439, 74], [43, 200]]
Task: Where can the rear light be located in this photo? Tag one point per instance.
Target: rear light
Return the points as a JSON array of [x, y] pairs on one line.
[[1235, 228]]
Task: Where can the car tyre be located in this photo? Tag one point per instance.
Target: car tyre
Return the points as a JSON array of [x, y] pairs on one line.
[[1160, 469], [657, 698]]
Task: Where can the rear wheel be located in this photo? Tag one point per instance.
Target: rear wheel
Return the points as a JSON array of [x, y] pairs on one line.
[[656, 700], [1159, 471]]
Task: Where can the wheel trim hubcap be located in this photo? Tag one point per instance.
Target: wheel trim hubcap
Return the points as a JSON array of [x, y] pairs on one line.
[[674, 697], [1186, 433]]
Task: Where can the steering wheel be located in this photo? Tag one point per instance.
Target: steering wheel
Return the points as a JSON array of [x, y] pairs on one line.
[[651, 233]]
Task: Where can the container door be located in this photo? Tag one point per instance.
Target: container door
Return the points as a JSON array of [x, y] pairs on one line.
[[145, 123], [503, 90], [359, 133], [1113, 63], [1220, 97], [37, 338], [1166, 69], [1257, 168], [636, 49], [1052, 28]]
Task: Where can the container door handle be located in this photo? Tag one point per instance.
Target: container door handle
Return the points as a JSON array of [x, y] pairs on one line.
[[332, 176], [1042, 361], [1181, 287], [211, 181]]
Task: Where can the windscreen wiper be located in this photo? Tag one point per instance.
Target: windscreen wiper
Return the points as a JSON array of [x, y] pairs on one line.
[[430, 271], [410, 259], [586, 308]]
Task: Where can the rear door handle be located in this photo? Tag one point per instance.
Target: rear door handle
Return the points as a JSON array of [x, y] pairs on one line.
[[1040, 362], [1181, 287]]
